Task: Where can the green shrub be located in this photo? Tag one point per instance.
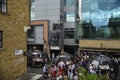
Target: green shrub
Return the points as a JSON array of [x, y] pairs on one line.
[[91, 76], [103, 77]]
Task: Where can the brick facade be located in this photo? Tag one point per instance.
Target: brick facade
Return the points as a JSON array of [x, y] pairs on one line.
[[12, 24]]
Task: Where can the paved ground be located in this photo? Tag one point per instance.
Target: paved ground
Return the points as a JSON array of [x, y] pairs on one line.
[[32, 74]]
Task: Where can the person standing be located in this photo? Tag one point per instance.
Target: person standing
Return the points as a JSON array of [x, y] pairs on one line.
[[34, 48], [45, 71], [60, 73], [53, 72], [53, 57]]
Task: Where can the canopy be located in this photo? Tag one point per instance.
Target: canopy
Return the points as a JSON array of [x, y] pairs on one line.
[[102, 58], [37, 52], [64, 55]]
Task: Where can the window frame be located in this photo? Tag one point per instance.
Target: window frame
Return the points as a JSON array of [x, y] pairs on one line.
[[3, 6]]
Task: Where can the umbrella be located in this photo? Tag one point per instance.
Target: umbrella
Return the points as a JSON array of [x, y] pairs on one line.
[[66, 56], [37, 52], [102, 58]]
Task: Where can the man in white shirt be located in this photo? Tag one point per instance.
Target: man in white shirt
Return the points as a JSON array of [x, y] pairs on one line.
[[61, 64]]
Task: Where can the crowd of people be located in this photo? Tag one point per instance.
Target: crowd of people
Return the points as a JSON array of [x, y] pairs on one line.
[[79, 67]]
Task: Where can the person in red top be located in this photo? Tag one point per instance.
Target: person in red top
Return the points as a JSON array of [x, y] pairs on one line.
[[53, 72], [60, 72]]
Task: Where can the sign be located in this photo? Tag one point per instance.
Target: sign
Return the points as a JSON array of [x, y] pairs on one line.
[[18, 52]]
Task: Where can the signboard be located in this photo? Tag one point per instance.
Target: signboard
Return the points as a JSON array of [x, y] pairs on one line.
[[18, 52]]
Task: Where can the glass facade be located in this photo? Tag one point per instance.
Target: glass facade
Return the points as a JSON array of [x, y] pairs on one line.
[[69, 2], [100, 19], [32, 9], [70, 17]]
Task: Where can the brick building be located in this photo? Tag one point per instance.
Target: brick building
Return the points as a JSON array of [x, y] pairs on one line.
[[14, 18]]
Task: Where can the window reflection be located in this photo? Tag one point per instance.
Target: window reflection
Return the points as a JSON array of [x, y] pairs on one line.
[[100, 19], [70, 17], [32, 9], [118, 12], [70, 2]]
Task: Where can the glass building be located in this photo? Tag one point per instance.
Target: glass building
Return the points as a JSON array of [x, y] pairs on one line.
[[70, 17], [100, 19]]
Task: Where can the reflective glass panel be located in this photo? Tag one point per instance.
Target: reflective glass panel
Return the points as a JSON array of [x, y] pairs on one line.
[[101, 19], [70, 2], [70, 17]]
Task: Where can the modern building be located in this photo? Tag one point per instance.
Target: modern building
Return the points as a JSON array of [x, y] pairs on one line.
[[14, 20], [70, 26], [62, 22], [104, 15]]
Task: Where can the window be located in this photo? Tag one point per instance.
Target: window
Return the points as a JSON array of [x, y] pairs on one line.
[[68, 34], [3, 5], [70, 17], [33, 9], [33, 4], [30, 33], [1, 41], [70, 2]]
